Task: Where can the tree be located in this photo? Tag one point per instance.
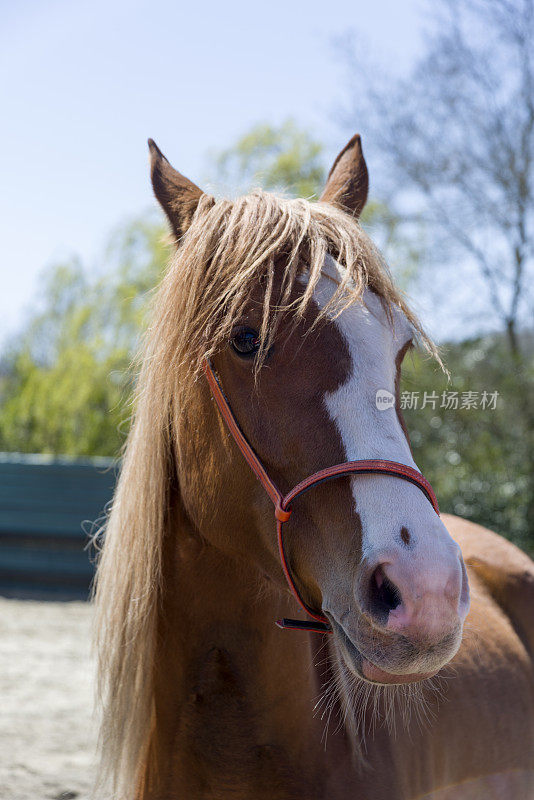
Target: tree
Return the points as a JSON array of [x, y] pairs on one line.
[[67, 376], [456, 138], [468, 440], [284, 158]]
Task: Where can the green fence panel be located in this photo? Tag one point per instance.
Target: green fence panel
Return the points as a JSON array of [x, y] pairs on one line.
[[49, 506]]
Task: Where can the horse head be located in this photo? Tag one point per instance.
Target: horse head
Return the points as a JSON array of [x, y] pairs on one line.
[[317, 338]]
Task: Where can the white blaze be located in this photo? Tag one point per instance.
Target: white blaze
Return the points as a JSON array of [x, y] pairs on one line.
[[384, 503]]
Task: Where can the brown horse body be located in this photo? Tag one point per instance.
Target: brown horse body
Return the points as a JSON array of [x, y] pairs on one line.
[[235, 695], [203, 696]]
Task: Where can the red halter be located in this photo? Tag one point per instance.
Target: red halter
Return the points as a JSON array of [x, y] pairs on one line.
[[282, 503]]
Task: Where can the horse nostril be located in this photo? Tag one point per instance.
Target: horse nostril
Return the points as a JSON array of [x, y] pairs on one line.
[[384, 596]]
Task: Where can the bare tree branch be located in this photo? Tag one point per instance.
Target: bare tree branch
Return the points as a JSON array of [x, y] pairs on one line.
[[457, 139]]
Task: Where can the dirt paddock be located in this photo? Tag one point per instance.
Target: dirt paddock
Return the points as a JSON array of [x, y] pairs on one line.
[[47, 735]]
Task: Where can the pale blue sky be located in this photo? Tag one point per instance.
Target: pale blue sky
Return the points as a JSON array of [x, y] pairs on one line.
[[83, 84]]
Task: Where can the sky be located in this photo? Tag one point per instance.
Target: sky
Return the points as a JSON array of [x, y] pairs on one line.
[[83, 84]]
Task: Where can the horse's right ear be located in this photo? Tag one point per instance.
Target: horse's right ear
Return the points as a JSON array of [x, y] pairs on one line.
[[177, 195]]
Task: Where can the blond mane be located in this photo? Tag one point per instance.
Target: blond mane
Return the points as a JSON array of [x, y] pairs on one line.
[[228, 249]]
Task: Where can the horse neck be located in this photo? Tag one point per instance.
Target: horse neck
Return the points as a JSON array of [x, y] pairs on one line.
[[234, 695]]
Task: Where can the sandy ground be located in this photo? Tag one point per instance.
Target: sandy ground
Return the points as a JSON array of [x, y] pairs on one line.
[[47, 736]]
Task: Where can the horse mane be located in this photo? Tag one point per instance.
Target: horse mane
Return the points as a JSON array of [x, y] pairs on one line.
[[229, 247]]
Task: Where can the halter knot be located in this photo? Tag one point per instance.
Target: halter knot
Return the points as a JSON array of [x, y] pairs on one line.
[[282, 514]]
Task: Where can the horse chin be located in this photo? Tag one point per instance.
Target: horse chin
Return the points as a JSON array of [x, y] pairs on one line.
[[363, 668], [375, 674]]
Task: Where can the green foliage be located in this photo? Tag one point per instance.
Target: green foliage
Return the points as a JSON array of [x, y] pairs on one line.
[[478, 460], [72, 407], [68, 376], [285, 159]]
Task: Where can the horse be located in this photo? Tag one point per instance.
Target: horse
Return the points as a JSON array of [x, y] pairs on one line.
[[402, 664]]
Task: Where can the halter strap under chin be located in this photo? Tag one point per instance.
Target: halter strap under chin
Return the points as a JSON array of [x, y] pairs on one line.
[[282, 503]]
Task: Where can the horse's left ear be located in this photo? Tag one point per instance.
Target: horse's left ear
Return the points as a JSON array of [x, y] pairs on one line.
[[176, 194], [347, 184]]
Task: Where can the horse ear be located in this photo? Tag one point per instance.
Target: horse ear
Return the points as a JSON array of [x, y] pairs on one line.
[[348, 180], [177, 195]]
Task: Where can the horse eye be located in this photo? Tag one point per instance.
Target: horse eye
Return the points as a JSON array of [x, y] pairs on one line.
[[245, 342]]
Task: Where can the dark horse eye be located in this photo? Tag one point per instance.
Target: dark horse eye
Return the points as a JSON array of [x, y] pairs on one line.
[[245, 342]]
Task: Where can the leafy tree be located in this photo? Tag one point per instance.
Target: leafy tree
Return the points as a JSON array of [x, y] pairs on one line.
[[473, 455], [285, 159], [67, 376]]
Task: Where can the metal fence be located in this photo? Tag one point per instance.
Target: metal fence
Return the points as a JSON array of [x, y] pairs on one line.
[[49, 507]]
